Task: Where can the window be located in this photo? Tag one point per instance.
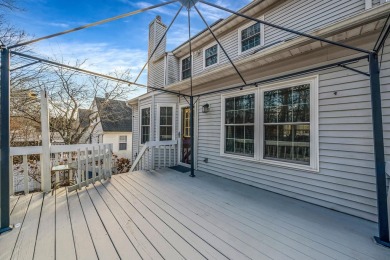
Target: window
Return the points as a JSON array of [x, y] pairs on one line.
[[287, 124], [122, 143], [186, 68], [211, 56], [186, 123], [275, 124], [145, 125], [166, 123], [250, 36], [240, 125]]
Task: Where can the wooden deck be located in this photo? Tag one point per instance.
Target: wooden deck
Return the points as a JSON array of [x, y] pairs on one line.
[[167, 215]]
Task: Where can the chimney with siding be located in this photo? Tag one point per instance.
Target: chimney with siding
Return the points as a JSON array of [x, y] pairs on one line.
[[156, 65]]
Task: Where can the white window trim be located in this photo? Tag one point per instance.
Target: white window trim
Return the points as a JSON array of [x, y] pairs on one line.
[[204, 55], [256, 125], [119, 142], [159, 105], [262, 36], [259, 132], [192, 66], [140, 123]]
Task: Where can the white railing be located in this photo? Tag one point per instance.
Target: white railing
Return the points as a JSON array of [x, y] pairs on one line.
[[77, 165], [154, 154]]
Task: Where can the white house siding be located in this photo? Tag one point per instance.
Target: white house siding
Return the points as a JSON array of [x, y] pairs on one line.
[[173, 73], [135, 137], [156, 65], [113, 138], [165, 99], [346, 180], [306, 16], [302, 15]]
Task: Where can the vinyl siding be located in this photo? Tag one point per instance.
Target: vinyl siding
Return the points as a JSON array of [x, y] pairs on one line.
[[346, 180], [135, 136], [303, 15]]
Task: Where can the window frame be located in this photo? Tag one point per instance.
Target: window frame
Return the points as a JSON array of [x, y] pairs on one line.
[[223, 130], [204, 55], [159, 105], [119, 143], [140, 123], [247, 25], [259, 124], [181, 67]]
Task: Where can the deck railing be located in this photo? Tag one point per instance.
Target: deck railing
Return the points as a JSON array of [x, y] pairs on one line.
[[80, 164], [154, 154]]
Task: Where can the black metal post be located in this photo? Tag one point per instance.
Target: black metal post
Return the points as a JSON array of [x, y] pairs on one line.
[[379, 152], [4, 141], [192, 136]]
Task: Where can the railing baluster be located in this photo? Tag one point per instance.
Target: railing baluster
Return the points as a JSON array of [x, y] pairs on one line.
[[159, 157], [93, 164], [87, 179], [25, 174], [174, 155], [57, 172], [110, 159], [70, 161], [78, 168], [170, 154], [99, 168], [11, 176], [165, 156]]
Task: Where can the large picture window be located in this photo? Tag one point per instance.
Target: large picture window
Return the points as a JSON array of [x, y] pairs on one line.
[[275, 124], [287, 124], [145, 125], [186, 69], [239, 125], [166, 123]]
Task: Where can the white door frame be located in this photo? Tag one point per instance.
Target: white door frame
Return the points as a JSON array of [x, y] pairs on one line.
[[181, 133]]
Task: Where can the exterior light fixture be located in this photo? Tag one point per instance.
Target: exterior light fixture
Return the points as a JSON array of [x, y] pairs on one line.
[[205, 108]]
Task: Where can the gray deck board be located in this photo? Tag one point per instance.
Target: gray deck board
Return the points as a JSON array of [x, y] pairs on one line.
[[167, 215]]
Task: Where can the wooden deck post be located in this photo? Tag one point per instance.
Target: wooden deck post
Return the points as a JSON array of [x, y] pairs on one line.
[[45, 133]]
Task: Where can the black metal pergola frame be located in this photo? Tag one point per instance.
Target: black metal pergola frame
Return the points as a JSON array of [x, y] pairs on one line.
[[371, 55]]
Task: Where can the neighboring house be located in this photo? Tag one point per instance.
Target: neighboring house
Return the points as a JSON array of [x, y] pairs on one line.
[[308, 137], [85, 118], [111, 123]]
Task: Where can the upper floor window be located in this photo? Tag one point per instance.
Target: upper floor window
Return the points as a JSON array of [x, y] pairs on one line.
[[166, 123], [250, 37], [211, 56], [145, 125], [122, 142], [186, 68]]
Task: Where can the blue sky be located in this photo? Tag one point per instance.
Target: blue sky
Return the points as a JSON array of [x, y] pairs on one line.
[[120, 44]]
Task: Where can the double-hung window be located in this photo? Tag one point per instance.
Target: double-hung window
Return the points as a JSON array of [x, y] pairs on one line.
[[211, 56], [145, 125], [186, 68], [287, 124], [240, 125], [280, 127], [250, 36], [123, 143], [166, 119]]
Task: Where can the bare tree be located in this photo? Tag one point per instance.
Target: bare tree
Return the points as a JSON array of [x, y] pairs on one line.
[[68, 92]]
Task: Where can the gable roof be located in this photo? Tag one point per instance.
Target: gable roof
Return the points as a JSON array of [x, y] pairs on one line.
[[115, 115], [84, 117]]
